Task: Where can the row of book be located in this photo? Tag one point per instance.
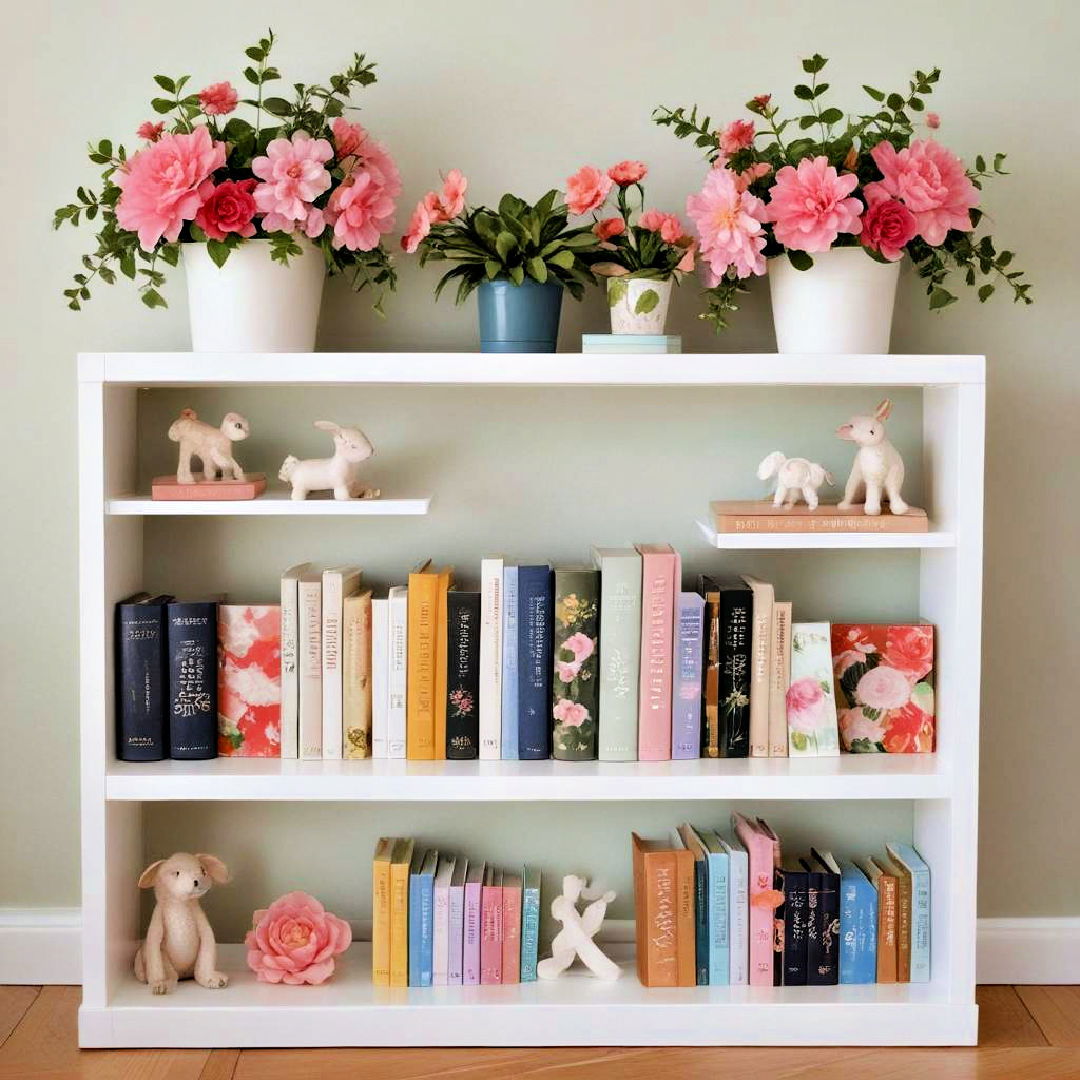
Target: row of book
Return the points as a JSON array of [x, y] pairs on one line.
[[712, 911], [444, 920]]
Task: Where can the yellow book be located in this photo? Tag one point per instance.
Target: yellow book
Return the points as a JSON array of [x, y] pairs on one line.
[[426, 672], [380, 912], [399, 912], [441, 648], [356, 676]]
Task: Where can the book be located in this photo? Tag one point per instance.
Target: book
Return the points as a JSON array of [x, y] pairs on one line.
[[193, 698], [685, 934], [456, 921], [883, 679], [858, 926], [763, 597], [463, 675], [811, 707], [911, 862], [249, 680], [687, 837], [491, 617], [735, 627], [738, 912], [400, 861], [427, 613], [763, 851], [686, 692], [142, 678], [290, 655], [421, 915], [380, 911], [309, 665], [779, 678], [440, 933], [628, 344], [380, 676], [508, 748], [758, 516], [535, 615], [717, 862], [576, 663], [511, 927], [779, 918], [796, 887], [710, 673], [660, 585], [356, 676], [530, 923], [655, 919], [885, 883], [338, 583], [399, 663], [903, 918], [491, 928], [620, 652], [474, 903], [823, 919]]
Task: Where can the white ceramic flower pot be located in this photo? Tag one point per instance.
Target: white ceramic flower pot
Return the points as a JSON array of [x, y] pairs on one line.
[[639, 305], [253, 304], [842, 304]]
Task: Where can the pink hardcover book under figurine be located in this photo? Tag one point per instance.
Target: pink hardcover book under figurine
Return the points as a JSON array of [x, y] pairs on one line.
[[249, 680]]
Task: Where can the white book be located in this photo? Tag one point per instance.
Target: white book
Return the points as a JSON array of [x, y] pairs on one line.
[[380, 675], [290, 646], [440, 930], [309, 665], [738, 912], [398, 675], [337, 583], [491, 614]]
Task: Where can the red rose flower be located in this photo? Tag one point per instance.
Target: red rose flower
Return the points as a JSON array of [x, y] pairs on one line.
[[229, 209], [910, 649], [909, 731], [888, 225]]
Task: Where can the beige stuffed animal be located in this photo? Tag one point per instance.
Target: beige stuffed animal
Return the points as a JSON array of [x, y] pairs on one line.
[[180, 941], [209, 444]]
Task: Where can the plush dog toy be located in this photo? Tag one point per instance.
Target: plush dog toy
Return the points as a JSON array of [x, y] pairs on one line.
[[180, 942]]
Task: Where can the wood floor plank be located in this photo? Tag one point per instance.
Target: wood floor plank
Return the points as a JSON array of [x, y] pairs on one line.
[[1056, 1010], [14, 1001], [1004, 1019], [221, 1065], [1013, 1063]]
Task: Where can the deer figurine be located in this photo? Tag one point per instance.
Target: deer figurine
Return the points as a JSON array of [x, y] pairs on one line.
[[337, 474], [878, 468]]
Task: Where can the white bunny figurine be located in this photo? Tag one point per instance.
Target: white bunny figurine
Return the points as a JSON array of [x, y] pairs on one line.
[[337, 474], [794, 476], [878, 467]]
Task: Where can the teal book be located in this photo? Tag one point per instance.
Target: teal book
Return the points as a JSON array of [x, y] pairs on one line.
[[909, 859], [718, 899], [687, 837], [422, 916], [620, 652], [625, 344], [858, 926], [530, 923], [576, 661]]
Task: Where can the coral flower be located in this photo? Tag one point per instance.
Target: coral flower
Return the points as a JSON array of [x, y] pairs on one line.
[[587, 189], [738, 135], [218, 99], [150, 131], [888, 225], [729, 226], [810, 207], [628, 172], [933, 121], [419, 226], [348, 138], [294, 175], [160, 185], [229, 208], [608, 227], [452, 200], [295, 940], [668, 226], [361, 210]]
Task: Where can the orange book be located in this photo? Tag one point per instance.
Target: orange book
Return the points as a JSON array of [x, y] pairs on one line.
[[903, 919], [426, 667], [655, 901], [886, 884], [747, 516], [685, 929]]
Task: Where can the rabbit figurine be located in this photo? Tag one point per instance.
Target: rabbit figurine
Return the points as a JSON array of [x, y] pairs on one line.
[[878, 468], [794, 476], [337, 474]]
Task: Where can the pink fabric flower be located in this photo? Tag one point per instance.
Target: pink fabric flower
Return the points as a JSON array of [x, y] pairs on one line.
[[452, 199], [810, 206], [587, 189], [932, 184], [883, 688], [315, 223], [229, 208], [729, 225], [218, 99], [628, 172], [805, 705], [348, 138], [295, 941], [910, 649], [150, 131], [608, 227], [933, 121], [738, 135], [294, 175], [419, 226], [567, 672], [570, 713], [686, 263], [581, 645], [161, 186], [361, 210], [667, 225], [888, 225]]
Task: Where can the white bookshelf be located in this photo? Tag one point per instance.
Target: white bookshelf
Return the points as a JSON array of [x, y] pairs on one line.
[[941, 789]]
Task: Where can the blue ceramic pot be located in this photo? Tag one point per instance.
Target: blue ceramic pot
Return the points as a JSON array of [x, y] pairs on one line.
[[519, 318]]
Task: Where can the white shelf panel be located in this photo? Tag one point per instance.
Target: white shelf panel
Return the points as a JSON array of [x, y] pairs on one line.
[[847, 541], [575, 1010], [275, 504], [850, 776]]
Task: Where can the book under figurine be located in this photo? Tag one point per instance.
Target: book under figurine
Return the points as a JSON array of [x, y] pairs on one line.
[[169, 489], [754, 516]]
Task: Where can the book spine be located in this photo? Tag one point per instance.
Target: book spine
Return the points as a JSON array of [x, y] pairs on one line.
[[509, 736], [456, 934], [701, 922], [796, 900], [399, 924], [833, 523], [920, 926], [734, 693], [442, 666], [380, 923], [397, 689], [858, 930], [511, 934], [822, 931], [739, 870], [779, 915], [440, 937], [491, 936], [356, 673], [310, 669], [193, 707], [779, 678], [534, 662], [620, 657], [427, 928], [760, 648], [710, 690], [290, 684], [530, 933], [719, 920], [686, 699], [470, 964], [420, 717], [658, 588], [491, 606], [463, 675], [575, 653], [886, 943], [685, 936], [661, 965], [415, 902], [142, 682], [761, 918], [249, 680], [903, 929], [380, 674], [332, 688]]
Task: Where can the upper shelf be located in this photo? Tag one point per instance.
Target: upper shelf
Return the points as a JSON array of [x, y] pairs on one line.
[[273, 504], [527, 369], [796, 541]]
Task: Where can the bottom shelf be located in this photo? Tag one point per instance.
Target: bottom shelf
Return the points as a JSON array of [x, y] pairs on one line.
[[576, 1010]]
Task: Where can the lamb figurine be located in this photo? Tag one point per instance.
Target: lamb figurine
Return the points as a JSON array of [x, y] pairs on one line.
[[338, 473], [878, 467], [794, 476], [209, 444]]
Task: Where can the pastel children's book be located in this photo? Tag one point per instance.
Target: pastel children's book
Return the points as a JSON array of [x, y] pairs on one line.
[[811, 708], [249, 680]]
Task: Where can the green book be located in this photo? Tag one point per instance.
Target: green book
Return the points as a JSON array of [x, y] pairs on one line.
[[574, 685], [620, 651]]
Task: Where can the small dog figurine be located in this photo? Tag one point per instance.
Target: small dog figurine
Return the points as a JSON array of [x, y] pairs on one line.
[[878, 467], [794, 476], [339, 473], [209, 444], [180, 941]]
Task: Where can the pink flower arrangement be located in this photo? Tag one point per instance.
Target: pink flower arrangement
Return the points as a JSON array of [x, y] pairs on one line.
[[295, 940], [730, 227], [570, 713], [608, 227], [294, 175], [362, 211], [229, 208], [810, 206], [738, 135], [587, 190], [888, 226], [218, 99]]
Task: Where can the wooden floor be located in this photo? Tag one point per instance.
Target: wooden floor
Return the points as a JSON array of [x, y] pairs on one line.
[[1027, 1032]]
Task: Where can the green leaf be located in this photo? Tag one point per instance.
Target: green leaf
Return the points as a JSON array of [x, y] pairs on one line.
[[251, 75], [563, 259], [492, 269], [807, 122], [538, 271], [517, 274], [832, 116], [127, 265], [153, 299], [877, 95], [980, 163], [999, 161], [814, 64], [801, 260], [940, 298], [820, 89], [276, 106], [985, 292], [165, 83], [799, 740], [255, 53], [218, 251], [505, 243], [646, 302], [895, 102], [162, 105], [916, 104], [616, 291], [804, 93]]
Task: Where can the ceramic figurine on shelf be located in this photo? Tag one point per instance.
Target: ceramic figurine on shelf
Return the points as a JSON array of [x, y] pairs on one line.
[[180, 941], [209, 444], [339, 473], [575, 939], [794, 477], [878, 468]]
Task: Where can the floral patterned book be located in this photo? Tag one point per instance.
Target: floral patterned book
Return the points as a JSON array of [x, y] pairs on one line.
[[575, 686], [811, 708], [249, 680], [884, 687]]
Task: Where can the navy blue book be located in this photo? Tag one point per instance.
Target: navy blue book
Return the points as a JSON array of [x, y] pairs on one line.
[[142, 678], [796, 899], [823, 923], [462, 675], [192, 651], [536, 613]]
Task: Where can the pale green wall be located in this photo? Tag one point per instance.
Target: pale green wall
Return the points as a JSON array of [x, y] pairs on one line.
[[518, 96]]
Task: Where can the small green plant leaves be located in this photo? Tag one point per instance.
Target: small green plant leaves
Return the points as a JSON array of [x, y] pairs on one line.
[[617, 290], [800, 259]]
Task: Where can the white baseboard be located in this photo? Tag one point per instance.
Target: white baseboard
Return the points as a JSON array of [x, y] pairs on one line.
[[42, 945]]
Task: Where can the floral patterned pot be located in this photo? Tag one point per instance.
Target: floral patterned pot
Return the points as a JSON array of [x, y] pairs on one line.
[[639, 305]]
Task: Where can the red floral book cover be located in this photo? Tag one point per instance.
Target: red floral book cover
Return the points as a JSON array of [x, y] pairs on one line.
[[884, 687], [249, 680]]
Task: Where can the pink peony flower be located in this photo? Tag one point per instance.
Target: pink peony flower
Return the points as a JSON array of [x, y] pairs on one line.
[[315, 223], [628, 172], [150, 131], [608, 227], [932, 184], [805, 704], [888, 225], [361, 210], [587, 189], [729, 225], [809, 206], [229, 208], [419, 226], [348, 138], [738, 135], [295, 940], [161, 186], [883, 688], [452, 199], [567, 672], [218, 99], [909, 731], [294, 175], [570, 713], [581, 646], [933, 121], [910, 649]]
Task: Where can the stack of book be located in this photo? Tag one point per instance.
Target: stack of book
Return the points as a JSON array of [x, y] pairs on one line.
[[714, 910], [445, 920]]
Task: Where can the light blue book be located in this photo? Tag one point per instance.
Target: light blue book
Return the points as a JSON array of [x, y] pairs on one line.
[[738, 912], [858, 926], [510, 664], [909, 859], [530, 923], [719, 901], [422, 916], [631, 343]]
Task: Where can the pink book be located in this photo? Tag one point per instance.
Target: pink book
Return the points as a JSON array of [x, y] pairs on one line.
[[470, 950], [511, 928], [764, 852], [491, 928], [661, 580]]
